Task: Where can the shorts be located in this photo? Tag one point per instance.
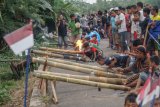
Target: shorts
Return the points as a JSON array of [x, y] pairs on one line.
[[152, 45]]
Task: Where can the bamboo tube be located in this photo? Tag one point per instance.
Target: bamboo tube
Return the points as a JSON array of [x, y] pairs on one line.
[[80, 81], [78, 64], [78, 69], [60, 50], [58, 55], [116, 81]]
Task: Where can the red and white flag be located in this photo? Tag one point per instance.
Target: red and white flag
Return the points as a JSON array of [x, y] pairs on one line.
[[144, 91], [153, 94], [20, 39]]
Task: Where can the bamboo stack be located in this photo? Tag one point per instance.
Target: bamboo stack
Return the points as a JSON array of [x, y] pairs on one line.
[[58, 55], [116, 81], [80, 81], [80, 65], [60, 50], [78, 69]]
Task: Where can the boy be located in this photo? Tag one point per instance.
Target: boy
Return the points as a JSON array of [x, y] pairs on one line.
[[75, 31], [130, 100], [87, 46], [122, 30], [153, 71], [114, 61], [154, 18], [80, 42], [144, 24], [94, 41]]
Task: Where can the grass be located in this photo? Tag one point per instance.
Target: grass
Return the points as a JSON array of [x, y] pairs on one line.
[[11, 90], [6, 84]]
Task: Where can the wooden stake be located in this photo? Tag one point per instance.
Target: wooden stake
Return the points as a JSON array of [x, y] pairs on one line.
[[145, 38], [55, 99]]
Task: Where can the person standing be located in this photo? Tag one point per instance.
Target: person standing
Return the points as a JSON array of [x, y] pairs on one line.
[[62, 32], [83, 22], [140, 10], [74, 28], [121, 24]]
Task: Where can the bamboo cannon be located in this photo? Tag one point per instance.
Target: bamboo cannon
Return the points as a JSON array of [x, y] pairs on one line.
[[80, 65], [80, 81], [116, 81], [58, 55], [60, 50], [79, 69]]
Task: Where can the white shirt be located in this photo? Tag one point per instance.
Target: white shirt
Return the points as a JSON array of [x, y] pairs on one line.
[[135, 26], [141, 18], [122, 27], [83, 22]]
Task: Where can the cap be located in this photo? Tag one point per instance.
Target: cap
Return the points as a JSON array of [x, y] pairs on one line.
[[116, 8], [142, 49]]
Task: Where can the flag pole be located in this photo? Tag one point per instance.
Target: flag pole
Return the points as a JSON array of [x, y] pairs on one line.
[[26, 79]]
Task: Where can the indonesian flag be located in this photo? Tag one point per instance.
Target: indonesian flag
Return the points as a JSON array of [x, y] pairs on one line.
[[20, 39], [154, 92], [144, 91]]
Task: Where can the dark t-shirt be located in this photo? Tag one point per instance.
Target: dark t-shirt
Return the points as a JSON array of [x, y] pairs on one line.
[[121, 60], [62, 29], [144, 24]]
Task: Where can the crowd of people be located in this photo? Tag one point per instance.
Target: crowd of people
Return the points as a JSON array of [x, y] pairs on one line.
[[132, 31]]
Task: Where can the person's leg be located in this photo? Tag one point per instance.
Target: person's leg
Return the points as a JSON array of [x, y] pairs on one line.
[[113, 38], [60, 42], [122, 38], [77, 37], [126, 46], [65, 42], [118, 42], [128, 39]]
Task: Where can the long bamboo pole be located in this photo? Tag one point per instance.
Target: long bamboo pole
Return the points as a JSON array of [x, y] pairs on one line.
[[116, 81], [78, 69], [80, 65], [80, 81], [58, 55], [60, 50]]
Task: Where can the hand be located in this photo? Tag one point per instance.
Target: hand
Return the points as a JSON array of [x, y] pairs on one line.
[[119, 70]]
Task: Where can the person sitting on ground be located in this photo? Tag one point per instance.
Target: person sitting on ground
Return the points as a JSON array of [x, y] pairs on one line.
[[79, 43], [154, 71], [130, 100], [114, 61], [141, 63], [89, 52], [94, 41]]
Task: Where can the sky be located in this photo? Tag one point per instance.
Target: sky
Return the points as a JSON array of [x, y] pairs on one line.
[[90, 1]]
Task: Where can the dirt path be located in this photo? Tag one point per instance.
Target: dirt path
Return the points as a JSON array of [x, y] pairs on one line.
[[73, 95]]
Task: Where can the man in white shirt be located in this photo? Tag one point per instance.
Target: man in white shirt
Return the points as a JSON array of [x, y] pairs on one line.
[[140, 9], [83, 22], [122, 30]]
